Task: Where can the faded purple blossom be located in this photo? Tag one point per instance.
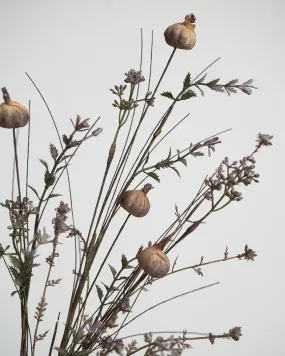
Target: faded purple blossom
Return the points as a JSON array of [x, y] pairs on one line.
[[108, 346], [119, 90], [59, 221], [248, 254], [81, 125], [125, 104], [134, 77], [235, 333], [263, 140]]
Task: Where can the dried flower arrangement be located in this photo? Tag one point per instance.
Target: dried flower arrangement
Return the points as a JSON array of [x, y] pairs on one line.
[[98, 333]]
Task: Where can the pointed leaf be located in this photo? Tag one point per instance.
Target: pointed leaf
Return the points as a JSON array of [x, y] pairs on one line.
[[53, 151], [44, 163], [203, 78], [52, 196], [248, 82], [65, 139], [187, 81], [153, 176], [106, 287], [168, 94], [232, 82], [176, 171], [188, 94], [100, 292], [213, 82], [231, 89], [49, 179], [169, 154], [113, 270], [124, 261], [200, 90], [34, 190], [183, 160], [218, 88]]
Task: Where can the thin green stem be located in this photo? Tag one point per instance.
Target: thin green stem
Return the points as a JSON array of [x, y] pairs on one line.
[[43, 298], [166, 332], [28, 149], [17, 164], [54, 335], [153, 343], [170, 299]]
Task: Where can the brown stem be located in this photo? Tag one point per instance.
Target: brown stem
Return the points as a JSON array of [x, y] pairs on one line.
[[43, 296], [17, 164], [153, 343], [6, 96]]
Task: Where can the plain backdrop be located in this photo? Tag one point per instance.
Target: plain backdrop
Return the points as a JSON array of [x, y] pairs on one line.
[[75, 51]]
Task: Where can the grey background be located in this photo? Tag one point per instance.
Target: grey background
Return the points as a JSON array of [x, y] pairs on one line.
[[75, 51]]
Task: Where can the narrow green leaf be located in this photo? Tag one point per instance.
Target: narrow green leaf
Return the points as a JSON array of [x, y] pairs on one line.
[[188, 94], [213, 82], [176, 171], [183, 160], [44, 163], [106, 287], [75, 143], [153, 176], [169, 154], [168, 94], [53, 151], [187, 81], [129, 267], [34, 190], [124, 261], [52, 196], [148, 338], [113, 270], [49, 179], [100, 292]]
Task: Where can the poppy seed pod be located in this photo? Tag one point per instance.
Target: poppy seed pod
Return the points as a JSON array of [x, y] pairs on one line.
[[182, 35], [135, 202], [153, 261], [12, 114]]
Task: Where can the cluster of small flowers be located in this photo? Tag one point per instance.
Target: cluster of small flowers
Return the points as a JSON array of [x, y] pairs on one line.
[[108, 346], [172, 346], [264, 140], [134, 77], [59, 221], [243, 173], [248, 254], [234, 333], [149, 99], [125, 104], [17, 208]]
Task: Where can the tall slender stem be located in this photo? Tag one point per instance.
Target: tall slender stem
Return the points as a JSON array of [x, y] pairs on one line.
[[17, 164]]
